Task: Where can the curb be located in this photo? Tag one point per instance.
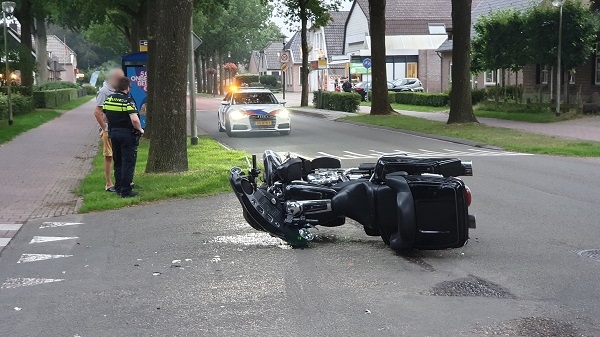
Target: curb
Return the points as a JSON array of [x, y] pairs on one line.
[[409, 132]]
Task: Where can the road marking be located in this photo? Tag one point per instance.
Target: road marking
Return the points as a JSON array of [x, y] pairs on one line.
[[424, 153], [10, 226], [252, 239], [357, 154], [4, 241], [42, 239], [39, 257], [59, 224], [12, 283], [330, 155]]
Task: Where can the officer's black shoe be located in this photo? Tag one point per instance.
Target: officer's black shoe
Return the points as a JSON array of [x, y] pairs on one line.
[[130, 194]]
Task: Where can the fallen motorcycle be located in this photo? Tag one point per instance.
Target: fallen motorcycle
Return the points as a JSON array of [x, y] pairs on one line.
[[412, 203]]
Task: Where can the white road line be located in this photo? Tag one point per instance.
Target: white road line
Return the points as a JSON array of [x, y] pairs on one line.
[[357, 154], [39, 257], [26, 282], [42, 239], [4, 241], [378, 152], [10, 226], [59, 224], [330, 155]]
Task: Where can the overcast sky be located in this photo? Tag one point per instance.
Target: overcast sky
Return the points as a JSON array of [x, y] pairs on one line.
[[286, 30]]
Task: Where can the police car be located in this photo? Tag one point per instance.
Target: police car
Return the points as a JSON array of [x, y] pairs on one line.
[[252, 109]]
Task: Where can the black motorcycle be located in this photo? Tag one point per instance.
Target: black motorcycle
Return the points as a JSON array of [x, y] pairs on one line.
[[410, 202]]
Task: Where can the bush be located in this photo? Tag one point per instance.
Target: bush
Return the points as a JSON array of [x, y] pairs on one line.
[[53, 98], [255, 84], [54, 86], [421, 98], [17, 89], [21, 105], [246, 78], [513, 92], [391, 96], [338, 101], [268, 79], [90, 90], [478, 95]]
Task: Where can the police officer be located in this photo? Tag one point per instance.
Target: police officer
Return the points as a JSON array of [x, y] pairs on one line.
[[124, 130]]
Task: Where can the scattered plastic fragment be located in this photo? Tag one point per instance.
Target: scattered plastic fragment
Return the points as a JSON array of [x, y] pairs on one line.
[[216, 259], [367, 311], [188, 260], [156, 273], [175, 261], [18, 309]]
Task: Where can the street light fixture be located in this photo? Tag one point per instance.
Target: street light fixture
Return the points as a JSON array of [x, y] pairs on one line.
[[8, 7], [559, 3]]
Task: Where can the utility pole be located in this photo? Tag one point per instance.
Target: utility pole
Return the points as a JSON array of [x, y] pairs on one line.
[[192, 85]]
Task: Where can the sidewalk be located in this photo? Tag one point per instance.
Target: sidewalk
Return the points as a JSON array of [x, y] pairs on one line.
[[586, 128], [40, 169]]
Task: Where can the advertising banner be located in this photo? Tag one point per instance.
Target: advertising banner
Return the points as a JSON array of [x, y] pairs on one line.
[[357, 68], [139, 89]]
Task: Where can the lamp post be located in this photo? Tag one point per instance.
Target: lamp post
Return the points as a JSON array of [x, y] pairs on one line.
[[7, 8], [558, 3], [283, 71]]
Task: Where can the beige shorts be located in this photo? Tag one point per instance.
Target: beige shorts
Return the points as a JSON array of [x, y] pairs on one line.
[[106, 144]]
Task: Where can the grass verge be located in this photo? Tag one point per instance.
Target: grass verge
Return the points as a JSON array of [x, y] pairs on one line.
[[209, 164], [507, 139], [408, 107], [74, 103], [23, 123], [539, 116]]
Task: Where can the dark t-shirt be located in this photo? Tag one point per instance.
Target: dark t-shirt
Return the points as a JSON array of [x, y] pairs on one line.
[[117, 108]]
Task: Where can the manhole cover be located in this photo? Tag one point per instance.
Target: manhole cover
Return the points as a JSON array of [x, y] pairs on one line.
[[592, 254], [470, 286]]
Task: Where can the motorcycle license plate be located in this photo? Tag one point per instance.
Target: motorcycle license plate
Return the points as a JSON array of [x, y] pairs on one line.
[[264, 123]]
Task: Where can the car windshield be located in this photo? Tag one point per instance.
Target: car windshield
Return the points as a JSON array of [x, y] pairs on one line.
[[400, 82], [254, 98]]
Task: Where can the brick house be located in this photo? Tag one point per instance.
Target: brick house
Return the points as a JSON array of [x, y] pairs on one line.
[[414, 30], [538, 81]]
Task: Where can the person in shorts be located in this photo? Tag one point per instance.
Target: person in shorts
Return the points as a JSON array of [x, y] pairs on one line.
[[108, 89]]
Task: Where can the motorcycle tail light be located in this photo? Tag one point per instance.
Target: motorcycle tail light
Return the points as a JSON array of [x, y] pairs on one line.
[[468, 196]]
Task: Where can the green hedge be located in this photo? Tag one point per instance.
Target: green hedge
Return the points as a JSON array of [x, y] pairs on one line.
[[54, 86], [17, 89], [338, 101], [21, 105], [421, 98], [246, 78], [90, 90], [513, 92], [268, 79], [53, 98]]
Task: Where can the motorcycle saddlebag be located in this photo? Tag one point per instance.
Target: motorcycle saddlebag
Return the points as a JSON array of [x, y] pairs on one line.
[[441, 212]]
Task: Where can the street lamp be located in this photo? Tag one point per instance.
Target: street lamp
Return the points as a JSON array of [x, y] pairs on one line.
[[8, 8], [558, 3]]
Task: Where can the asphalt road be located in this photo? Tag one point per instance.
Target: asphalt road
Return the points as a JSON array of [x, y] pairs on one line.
[[194, 268]]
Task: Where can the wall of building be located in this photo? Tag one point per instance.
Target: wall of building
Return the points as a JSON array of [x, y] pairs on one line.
[[357, 29], [429, 71]]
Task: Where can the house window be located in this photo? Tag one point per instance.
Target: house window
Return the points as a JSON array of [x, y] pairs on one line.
[[411, 69], [545, 76], [491, 77], [437, 29]]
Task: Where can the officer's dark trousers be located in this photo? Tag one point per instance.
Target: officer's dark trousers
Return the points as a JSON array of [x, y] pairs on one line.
[[124, 157]]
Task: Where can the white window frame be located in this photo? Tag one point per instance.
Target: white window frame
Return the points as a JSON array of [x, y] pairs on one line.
[[494, 77], [545, 75], [437, 28]]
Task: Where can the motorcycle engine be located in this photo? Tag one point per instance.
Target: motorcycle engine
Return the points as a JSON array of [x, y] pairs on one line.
[[326, 177]]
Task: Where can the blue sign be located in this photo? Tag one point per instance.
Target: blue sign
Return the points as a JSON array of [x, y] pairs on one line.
[[139, 89], [367, 63]]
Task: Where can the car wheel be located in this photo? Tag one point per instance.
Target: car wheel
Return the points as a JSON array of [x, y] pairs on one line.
[[285, 133], [228, 128]]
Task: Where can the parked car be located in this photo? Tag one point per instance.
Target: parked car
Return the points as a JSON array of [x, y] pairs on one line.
[[407, 84], [363, 88], [253, 110]]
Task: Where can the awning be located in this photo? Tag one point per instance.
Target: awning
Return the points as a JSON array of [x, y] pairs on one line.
[[412, 42]]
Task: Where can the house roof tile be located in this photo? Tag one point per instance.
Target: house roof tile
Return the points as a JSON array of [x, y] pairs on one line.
[[59, 49], [334, 33]]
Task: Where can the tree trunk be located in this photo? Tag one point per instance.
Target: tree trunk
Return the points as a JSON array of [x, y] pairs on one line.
[[140, 26], [305, 51], [25, 17], [42, 54], [221, 77], [204, 77], [168, 145], [152, 64], [198, 74], [461, 106], [380, 102], [215, 89]]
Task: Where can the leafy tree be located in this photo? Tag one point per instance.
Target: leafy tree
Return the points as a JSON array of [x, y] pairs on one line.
[[380, 100], [167, 68], [24, 13], [461, 106], [314, 12]]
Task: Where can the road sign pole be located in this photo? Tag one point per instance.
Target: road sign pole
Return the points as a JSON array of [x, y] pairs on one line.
[[193, 126], [283, 83]]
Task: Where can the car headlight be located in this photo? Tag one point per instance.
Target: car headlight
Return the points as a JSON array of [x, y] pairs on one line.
[[283, 113], [237, 115]]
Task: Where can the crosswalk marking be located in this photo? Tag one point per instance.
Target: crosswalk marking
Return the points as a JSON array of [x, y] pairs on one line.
[[424, 153], [59, 224], [26, 282], [42, 239], [39, 257]]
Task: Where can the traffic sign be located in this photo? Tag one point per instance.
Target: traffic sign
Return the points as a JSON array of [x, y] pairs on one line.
[[284, 67], [143, 45], [284, 58], [196, 41], [367, 63]]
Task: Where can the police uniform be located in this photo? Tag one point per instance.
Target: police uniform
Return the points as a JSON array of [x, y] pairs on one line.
[[117, 108]]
